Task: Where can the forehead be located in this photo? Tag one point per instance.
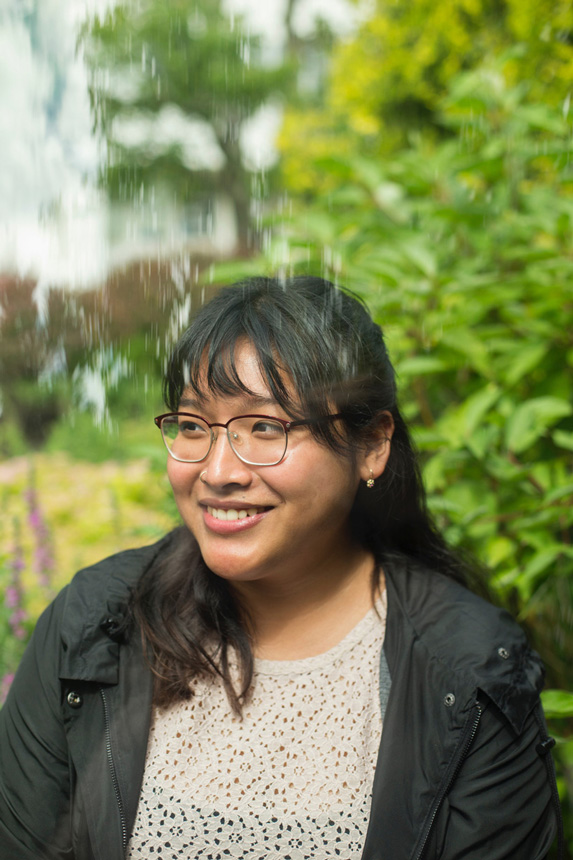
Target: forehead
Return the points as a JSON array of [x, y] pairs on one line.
[[236, 376]]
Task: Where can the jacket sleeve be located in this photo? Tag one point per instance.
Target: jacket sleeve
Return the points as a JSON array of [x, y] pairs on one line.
[[501, 805], [34, 771]]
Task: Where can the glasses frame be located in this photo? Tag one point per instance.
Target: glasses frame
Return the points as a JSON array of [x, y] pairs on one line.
[[287, 425]]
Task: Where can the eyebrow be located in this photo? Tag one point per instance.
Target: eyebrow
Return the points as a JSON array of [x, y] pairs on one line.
[[254, 400]]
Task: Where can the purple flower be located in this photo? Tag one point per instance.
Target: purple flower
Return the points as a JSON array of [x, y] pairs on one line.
[[43, 556], [16, 618], [14, 594], [11, 597], [35, 519], [17, 564]]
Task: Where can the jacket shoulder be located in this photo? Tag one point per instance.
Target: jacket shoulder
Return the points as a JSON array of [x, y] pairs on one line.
[[114, 577], [479, 642], [433, 602], [93, 606]]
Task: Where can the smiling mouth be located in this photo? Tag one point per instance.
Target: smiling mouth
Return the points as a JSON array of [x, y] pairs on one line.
[[233, 514]]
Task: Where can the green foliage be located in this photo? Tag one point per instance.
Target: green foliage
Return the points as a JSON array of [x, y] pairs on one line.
[[387, 83], [79, 436], [557, 703], [405, 55]]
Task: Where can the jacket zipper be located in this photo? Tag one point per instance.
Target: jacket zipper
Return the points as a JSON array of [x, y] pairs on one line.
[[113, 771], [543, 749], [470, 732]]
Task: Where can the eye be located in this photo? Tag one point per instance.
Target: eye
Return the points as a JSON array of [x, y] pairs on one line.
[[190, 427], [267, 429]]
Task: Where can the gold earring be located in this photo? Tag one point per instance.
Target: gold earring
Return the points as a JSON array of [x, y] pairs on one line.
[[370, 481]]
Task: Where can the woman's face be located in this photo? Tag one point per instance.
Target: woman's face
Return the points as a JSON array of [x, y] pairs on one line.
[[297, 511]]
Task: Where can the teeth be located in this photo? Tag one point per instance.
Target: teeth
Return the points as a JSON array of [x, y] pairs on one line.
[[232, 514]]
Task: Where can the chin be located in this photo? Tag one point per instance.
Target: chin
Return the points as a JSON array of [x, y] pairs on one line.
[[233, 570]]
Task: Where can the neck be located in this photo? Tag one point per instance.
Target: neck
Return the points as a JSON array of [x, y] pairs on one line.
[[306, 615]]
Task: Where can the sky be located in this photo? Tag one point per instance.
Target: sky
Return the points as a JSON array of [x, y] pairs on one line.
[[48, 153], [52, 217], [44, 113]]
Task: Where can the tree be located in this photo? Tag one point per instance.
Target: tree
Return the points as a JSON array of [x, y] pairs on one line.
[[149, 56]]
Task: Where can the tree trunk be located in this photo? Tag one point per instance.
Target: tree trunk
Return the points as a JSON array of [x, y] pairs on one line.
[[236, 182]]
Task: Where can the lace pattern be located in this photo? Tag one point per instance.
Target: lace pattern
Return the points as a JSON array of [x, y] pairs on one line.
[[291, 779]]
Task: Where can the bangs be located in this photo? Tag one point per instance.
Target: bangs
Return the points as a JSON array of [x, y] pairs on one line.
[[214, 373], [204, 361]]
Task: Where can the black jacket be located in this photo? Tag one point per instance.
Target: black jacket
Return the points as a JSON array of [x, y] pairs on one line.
[[462, 770]]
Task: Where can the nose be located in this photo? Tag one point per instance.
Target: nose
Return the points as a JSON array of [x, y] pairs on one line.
[[222, 466]]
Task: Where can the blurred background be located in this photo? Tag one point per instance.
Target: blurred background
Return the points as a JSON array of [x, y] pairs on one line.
[[418, 153]]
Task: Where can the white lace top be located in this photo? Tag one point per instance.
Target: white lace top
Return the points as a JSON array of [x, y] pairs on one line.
[[291, 780]]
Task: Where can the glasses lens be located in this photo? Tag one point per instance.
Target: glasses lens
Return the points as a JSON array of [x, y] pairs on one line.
[[258, 441], [187, 437]]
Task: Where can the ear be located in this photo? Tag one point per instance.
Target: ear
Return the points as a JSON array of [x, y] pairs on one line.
[[377, 448]]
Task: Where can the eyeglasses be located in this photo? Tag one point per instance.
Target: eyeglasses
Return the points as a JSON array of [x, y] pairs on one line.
[[258, 440]]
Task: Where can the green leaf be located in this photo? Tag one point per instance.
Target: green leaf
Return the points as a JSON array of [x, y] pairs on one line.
[[502, 469], [419, 365], [538, 565], [435, 472], [370, 172], [543, 117], [557, 703], [478, 405], [483, 440], [559, 493], [383, 266], [464, 341], [524, 361], [338, 167], [422, 257], [426, 438], [459, 426], [531, 420], [498, 550], [563, 439], [439, 504]]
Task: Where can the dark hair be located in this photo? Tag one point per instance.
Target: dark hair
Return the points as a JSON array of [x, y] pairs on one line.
[[319, 341]]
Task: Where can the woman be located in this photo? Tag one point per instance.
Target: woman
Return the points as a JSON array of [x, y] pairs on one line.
[[297, 672]]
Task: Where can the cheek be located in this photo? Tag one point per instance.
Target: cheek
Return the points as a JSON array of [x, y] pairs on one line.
[[181, 476], [172, 472], [323, 484]]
